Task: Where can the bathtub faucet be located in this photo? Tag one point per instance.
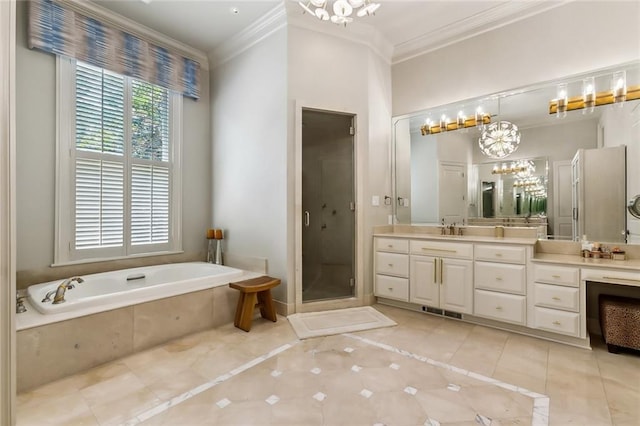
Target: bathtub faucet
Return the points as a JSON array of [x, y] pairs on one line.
[[62, 288]]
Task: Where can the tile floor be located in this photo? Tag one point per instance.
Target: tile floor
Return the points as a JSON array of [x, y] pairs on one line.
[[426, 370]]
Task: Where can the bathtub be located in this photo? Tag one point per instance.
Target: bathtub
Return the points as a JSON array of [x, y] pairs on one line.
[[110, 290]]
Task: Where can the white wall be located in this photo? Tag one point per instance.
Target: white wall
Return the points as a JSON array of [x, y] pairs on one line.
[[332, 73], [36, 153], [578, 37], [249, 134]]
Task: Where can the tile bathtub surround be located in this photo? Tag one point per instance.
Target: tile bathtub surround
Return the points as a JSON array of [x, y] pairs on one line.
[[57, 350], [415, 373]]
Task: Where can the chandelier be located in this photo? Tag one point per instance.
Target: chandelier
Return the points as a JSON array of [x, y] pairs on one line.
[[499, 139], [341, 11]]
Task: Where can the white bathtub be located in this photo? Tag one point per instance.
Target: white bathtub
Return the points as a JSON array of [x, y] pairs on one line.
[[110, 290]]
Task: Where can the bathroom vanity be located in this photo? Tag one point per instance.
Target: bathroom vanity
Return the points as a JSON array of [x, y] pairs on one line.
[[513, 282]]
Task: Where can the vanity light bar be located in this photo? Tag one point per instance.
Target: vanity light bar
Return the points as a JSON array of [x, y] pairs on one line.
[[453, 125], [602, 98]]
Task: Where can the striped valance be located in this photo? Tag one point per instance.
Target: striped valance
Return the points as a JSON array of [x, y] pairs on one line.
[[57, 29]]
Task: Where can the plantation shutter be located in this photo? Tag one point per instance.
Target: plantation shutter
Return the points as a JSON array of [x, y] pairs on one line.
[[99, 158], [150, 171]]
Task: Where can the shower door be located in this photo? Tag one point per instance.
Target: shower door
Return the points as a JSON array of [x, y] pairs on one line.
[[328, 208]]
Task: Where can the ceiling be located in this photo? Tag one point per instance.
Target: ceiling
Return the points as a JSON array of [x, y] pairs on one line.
[[408, 26]]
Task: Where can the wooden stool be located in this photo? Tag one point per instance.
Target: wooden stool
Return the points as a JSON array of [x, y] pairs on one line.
[[250, 290]]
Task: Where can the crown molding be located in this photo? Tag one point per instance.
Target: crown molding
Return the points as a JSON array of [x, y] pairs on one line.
[[491, 19], [357, 31], [271, 22], [117, 21]]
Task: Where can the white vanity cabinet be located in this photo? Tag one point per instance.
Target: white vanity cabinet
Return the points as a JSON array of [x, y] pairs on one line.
[[556, 299], [391, 265], [441, 275], [500, 282]]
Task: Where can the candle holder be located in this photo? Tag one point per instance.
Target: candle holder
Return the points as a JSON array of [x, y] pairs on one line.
[[219, 236], [210, 245], [218, 252]]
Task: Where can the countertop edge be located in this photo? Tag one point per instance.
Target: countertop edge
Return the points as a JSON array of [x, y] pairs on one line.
[[575, 260], [460, 239]]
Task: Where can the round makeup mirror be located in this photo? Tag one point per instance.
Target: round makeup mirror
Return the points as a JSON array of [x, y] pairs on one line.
[[634, 206]]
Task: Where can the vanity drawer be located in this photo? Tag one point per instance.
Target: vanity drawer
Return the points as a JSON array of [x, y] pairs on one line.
[[392, 287], [392, 264], [499, 253], [500, 277], [500, 306], [556, 296], [394, 245], [556, 275], [556, 321], [441, 249]]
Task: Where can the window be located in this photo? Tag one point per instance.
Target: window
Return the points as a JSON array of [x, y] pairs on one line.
[[118, 165]]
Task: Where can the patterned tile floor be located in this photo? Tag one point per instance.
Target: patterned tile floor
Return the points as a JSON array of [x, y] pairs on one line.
[[427, 370]]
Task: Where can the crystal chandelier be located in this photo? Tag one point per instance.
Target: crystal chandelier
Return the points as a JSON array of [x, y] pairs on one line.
[[342, 9], [499, 139]]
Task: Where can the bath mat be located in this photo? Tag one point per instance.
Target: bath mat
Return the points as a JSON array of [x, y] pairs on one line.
[[314, 324]]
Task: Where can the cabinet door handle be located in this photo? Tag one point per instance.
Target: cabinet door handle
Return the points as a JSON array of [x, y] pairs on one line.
[[556, 298], [307, 218], [390, 265], [556, 276], [438, 249], [390, 289], [557, 323], [498, 278], [435, 271], [441, 271], [498, 308], [390, 245], [498, 254]]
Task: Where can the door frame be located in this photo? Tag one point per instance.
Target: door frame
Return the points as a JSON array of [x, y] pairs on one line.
[[7, 212], [556, 197], [358, 298]]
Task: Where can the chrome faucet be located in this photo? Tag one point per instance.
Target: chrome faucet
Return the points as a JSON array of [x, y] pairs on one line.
[[60, 291]]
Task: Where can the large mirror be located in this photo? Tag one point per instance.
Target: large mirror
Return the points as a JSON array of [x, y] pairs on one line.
[[571, 174]]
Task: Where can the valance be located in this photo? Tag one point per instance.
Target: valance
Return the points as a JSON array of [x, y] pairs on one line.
[[57, 29]]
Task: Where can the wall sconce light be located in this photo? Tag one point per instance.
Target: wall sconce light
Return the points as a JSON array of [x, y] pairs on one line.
[[562, 100], [619, 87], [479, 118], [462, 122], [443, 123], [589, 95], [522, 168], [619, 93]]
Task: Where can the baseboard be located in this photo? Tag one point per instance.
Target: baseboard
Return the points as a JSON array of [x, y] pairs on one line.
[[283, 308]]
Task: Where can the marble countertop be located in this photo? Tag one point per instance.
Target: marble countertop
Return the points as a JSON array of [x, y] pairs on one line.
[[459, 238], [570, 259]]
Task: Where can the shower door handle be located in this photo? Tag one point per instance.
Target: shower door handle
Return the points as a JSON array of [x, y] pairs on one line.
[[306, 218]]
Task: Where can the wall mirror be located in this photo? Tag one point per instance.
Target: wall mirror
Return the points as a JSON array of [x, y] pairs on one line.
[[442, 175]]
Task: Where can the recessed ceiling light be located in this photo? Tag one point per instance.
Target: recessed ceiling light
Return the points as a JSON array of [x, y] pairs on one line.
[[146, 1], [234, 10]]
